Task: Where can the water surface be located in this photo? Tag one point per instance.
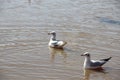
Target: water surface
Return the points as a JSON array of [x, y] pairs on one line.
[[87, 26]]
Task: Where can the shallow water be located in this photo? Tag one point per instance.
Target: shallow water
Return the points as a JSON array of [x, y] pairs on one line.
[[87, 26]]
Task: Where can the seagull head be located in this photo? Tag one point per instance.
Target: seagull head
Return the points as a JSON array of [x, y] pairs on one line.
[[52, 33], [86, 54]]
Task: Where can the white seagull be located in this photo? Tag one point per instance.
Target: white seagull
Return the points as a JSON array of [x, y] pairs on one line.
[[55, 43], [93, 64]]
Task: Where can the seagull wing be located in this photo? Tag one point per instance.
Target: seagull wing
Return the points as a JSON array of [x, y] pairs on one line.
[[99, 62], [55, 43]]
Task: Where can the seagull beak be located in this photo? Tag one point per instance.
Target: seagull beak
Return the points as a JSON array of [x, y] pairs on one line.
[[82, 55], [48, 33]]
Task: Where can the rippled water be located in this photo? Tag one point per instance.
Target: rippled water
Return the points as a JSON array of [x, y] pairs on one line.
[[87, 25]]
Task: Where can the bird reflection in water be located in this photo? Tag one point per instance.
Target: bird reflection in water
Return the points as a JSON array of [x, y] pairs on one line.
[[54, 52], [88, 74]]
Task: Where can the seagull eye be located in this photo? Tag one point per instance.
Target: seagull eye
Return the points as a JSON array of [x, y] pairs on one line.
[[87, 55]]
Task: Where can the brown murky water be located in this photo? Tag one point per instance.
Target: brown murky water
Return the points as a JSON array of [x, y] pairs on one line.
[[87, 25]]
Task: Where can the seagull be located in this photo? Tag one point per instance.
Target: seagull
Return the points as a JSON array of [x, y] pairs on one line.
[[55, 43], [93, 64]]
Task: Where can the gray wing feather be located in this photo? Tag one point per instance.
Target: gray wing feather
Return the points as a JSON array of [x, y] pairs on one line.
[[97, 63], [55, 43]]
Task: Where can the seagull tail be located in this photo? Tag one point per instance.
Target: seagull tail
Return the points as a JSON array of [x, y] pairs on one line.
[[106, 59], [64, 43]]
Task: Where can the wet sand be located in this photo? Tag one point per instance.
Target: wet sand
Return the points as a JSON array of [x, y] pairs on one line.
[[87, 26]]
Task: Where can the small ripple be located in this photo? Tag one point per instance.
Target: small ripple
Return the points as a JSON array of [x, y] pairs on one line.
[[110, 21], [7, 44]]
